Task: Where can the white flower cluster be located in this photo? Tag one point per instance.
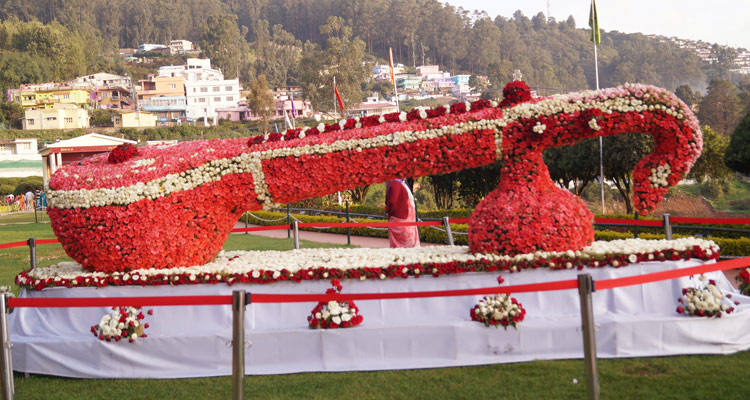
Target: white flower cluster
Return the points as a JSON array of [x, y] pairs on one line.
[[212, 171], [110, 325], [539, 127], [659, 175], [142, 162], [336, 312], [257, 262], [498, 307], [594, 125], [704, 301]]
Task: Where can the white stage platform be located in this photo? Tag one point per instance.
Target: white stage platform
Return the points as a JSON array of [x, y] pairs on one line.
[[395, 334]]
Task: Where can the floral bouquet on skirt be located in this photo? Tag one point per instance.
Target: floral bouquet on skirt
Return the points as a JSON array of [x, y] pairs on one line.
[[334, 314], [122, 323]]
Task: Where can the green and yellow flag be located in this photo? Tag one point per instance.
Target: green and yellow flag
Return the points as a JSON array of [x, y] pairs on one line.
[[594, 24]]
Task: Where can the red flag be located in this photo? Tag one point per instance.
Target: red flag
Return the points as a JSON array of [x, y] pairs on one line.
[[338, 96], [390, 62]]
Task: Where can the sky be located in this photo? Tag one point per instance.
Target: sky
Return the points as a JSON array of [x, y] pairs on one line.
[[726, 22]]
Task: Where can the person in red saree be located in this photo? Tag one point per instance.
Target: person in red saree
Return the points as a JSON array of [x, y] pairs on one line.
[[400, 207]]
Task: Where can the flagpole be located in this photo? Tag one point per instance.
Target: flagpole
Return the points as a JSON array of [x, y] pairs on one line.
[[393, 78], [595, 26]]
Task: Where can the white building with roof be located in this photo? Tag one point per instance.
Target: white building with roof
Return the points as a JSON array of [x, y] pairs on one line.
[[55, 155]]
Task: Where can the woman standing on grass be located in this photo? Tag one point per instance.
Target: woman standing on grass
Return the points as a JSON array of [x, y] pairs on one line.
[[400, 207]]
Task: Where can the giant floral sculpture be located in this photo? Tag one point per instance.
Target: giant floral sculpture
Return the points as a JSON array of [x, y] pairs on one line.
[[162, 207]]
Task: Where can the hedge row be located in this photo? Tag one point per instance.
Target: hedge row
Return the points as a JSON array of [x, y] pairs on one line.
[[733, 247], [729, 246]]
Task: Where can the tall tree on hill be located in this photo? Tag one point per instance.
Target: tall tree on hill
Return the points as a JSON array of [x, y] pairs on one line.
[[720, 107], [686, 94], [737, 155], [259, 100], [222, 41], [342, 59]]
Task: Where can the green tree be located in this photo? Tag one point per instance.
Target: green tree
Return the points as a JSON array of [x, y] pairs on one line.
[[686, 94], [341, 59], [737, 155], [720, 107], [711, 165], [259, 100], [576, 165], [621, 154], [224, 43]]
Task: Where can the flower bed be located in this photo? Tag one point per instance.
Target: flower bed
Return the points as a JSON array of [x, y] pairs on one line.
[[261, 267]]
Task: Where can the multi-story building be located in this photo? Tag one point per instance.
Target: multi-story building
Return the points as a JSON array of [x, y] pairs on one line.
[[109, 91], [408, 82], [62, 116], [169, 110], [160, 86], [47, 95], [203, 97], [180, 46]]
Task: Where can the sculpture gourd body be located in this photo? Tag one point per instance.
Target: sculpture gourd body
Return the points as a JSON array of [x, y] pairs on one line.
[[163, 207]]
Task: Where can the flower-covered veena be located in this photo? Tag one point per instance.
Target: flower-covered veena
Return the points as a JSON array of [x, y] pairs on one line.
[[174, 206]]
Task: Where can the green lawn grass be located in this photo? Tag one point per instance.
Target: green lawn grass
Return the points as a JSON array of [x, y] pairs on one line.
[[689, 377]]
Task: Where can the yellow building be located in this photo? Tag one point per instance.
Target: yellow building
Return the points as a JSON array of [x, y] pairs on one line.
[[159, 86], [46, 96], [61, 116], [135, 119]]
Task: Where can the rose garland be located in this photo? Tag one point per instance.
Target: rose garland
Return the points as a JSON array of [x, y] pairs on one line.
[[703, 301], [262, 267], [122, 323], [334, 314]]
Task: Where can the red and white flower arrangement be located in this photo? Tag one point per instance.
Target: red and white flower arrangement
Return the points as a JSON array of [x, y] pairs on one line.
[[498, 310], [261, 267], [122, 323], [111, 217], [703, 301], [744, 279], [334, 314]]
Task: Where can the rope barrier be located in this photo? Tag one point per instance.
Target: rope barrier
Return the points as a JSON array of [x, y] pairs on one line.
[[433, 224], [297, 298], [266, 220]]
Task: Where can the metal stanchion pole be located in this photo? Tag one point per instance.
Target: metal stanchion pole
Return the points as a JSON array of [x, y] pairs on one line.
[[448, 230], [238, 344], [6, 363], [245, 218], [667, 227], [288, 221], [295, 227], [32, 252], [585, 288], [348, 230]]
